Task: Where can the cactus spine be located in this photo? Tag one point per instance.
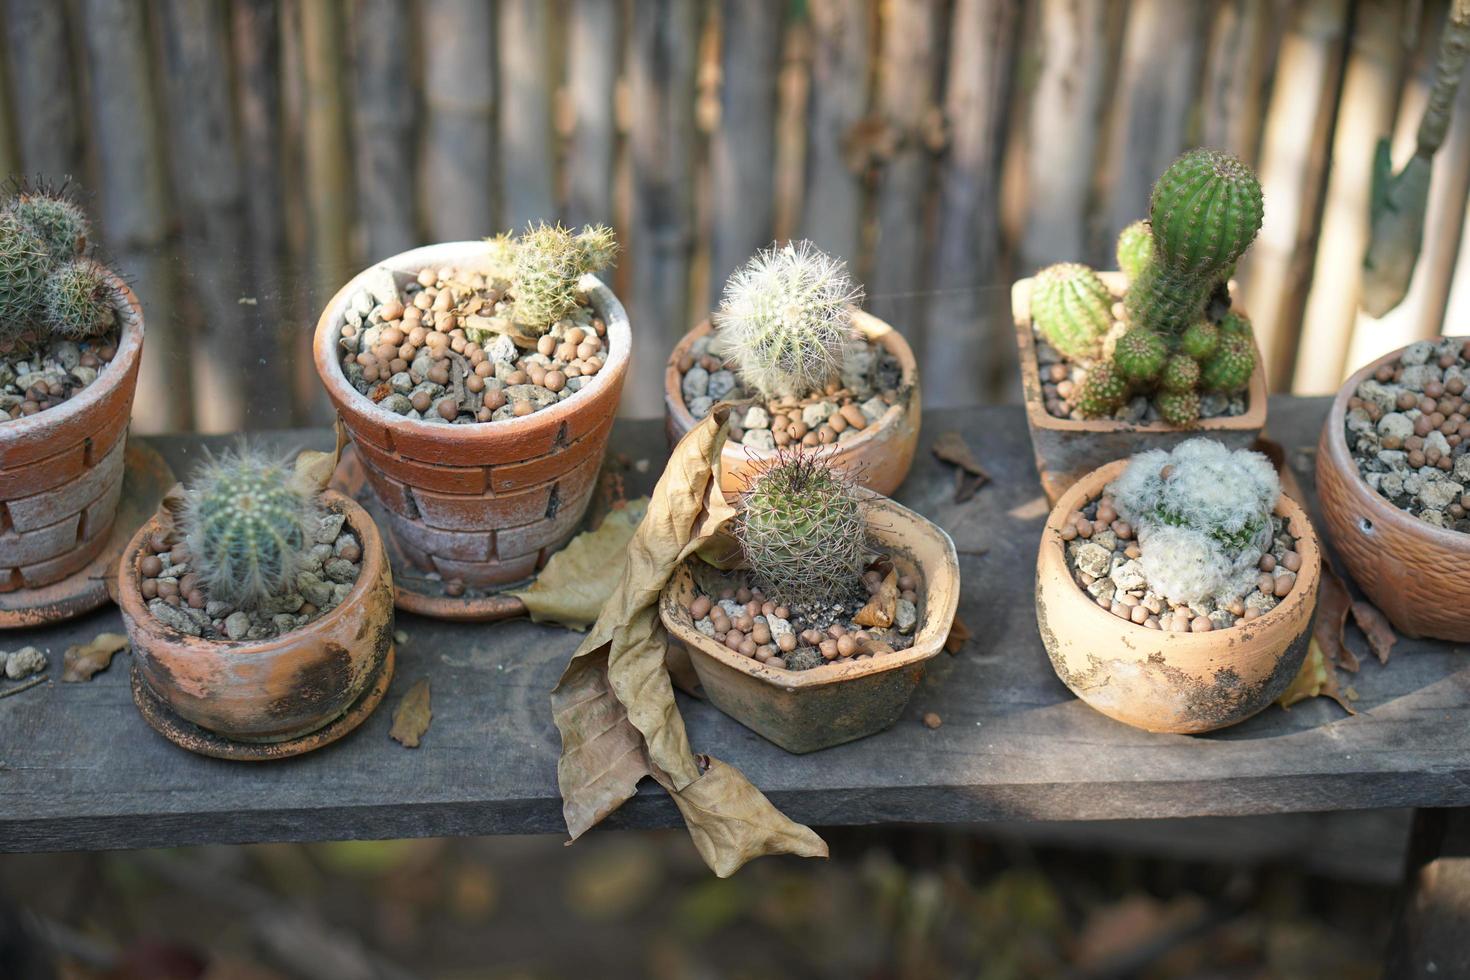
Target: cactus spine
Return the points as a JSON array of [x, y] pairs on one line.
[[1135, 249], [78, 300], [46, 279], [1140, 354], [1071, 307], [1102, 392], [24, 265], [547, 265], [58, 221], [1230, 368]]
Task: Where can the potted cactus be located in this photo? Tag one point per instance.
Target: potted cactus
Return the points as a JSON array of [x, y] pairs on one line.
[[479, 382], [821, 633], [1393, 476], [260, 609], [805, 366], [71, 339], [1175, 590], [1116, 362]]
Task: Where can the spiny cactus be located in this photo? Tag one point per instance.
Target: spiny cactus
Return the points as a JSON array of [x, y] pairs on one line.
[[1180, 374], [1135, 249], [1102, 392], [785, 321], [1178, 407], [1071, 307], [1140, 354], [549, 262], [801, 529], [1230, 368], [57, 220], [24, 264], [1200, 339], [79, 300], [247, 526]]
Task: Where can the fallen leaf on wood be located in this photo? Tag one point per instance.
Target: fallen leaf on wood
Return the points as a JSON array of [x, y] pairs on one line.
[[1333, 604], [79, 663], [881, 608], [970, 476], [1317, 678], [959, 635], [411, 718], [575, 584], [1376, 628]]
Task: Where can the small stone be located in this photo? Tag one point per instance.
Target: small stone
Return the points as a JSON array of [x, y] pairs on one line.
[[237, 624], [1222, 619], [1439, 494], [760, 439], [1135, 410], [171, 616], [215, 609], [756, 418], [1417, 353], [695, 384], [905, 617], [381, 285], [502, 350], [24, 662], [329, 528], [1102, 588], [283, 622], [317, 591], [397, 403], [401, 383], [706, 626], [538, 396], [874, 408], [698, 407], [815, 416], [1395, 425], [721, 383], [340, 570], [1093, 559], [1129, 576], [361, 303], [275, 604], [932, 720], [1419, 377]]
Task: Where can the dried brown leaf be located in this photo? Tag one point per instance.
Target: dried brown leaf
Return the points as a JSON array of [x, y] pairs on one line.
[[578, 580], [881, 608], [314, 469], [959, 635], [970, 476], [1333, 604], [79, 663], [412, 716], [1317, 678], [1376, 628]]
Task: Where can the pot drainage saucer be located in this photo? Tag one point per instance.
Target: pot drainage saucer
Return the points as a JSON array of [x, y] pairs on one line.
[[146, 478], [187, 735]]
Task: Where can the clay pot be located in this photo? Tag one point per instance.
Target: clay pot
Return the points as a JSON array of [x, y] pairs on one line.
[[806, 710], [484, 504], [1161, 681], [268, 690], [1066, 449], [879, 458], [61, 470], [1413, 571]]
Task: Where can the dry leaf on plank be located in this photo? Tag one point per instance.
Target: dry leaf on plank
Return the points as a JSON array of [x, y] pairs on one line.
[[412, 716], [959, 635], [1317, 678], [79, 663], [1333, 604], [575, 584], [970, 476], [1376, 628]]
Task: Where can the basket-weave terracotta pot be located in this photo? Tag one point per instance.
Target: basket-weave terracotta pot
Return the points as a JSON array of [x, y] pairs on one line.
[[61, 470], [1155, 679], [268, 690], [484, 504], [1418, 574], [1066, 449], [878, 458], [806, 710]]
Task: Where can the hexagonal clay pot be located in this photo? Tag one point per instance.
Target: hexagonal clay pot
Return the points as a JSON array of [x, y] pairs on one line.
[[1415, 572], [806, 710], [1066, 449], [276, 690], [879, 458], [485, 504], [61, 470], [1159, 680]]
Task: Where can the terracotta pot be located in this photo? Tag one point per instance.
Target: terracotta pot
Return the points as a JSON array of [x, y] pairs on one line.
[[61, 470], [267, 690], [1066, 449], [806, 710], [485, 504], [1413, 571], [879, 458], [1161, 681]]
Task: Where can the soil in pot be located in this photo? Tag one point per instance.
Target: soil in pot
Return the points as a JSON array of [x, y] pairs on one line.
[[37, 375], [1408, 431]]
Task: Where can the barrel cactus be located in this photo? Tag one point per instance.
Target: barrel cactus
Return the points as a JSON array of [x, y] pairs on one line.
[[1071, 307], [24, 264], [802, 530], [55, 218], [49, 286], [1102, 392], [1135, 249], [1140, 354], [547, 264], [1229, 369], [785, 321], [79, 300], [248, 527]]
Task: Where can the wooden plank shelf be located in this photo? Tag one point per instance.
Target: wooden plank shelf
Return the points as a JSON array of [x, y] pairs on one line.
[[79, 768]]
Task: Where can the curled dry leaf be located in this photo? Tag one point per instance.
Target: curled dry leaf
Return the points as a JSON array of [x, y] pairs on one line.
[[314, 469], [578, 580], [79, 663], [881, 608], [1333, 604], [1317, 678], [970, 476], [412, 716], [959, 635], [1376, 628]]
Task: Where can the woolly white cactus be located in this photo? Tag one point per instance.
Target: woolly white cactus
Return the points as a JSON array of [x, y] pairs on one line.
[[1203, 517], [786, 319]]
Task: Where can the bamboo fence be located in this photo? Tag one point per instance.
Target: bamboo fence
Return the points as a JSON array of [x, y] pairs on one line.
[[244, 157]]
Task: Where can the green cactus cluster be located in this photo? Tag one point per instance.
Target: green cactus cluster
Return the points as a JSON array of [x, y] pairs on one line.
[[48, 284], [248, 527], [802, 530], [545, 265], [1072, 308], [1135, 249]]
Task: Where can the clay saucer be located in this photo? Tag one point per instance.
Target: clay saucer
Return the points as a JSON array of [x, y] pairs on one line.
[[146, 478]]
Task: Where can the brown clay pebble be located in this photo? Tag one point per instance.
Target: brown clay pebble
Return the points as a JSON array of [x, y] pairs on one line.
[[747, 647], [854, 416], [150, 566], [733, 639], [523, 408], [351, 551], [932, 720], [149, 588], [1284, 584], [196, 599], [454, 587], [554, 380], [700, 607], [1268, 563], [761, 633], [846, 646], [1138, 615], [1201, 624], [829, 649], [167, 587], [787, 642], [494, 398], [1292, 561], [448, 409]]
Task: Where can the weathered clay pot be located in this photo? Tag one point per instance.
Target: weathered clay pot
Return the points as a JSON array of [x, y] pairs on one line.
[[803, 711], [1162, 681], [484, 504], [1066, 449], [61, 470], [268, 690], [1415, 572], [879, 458]]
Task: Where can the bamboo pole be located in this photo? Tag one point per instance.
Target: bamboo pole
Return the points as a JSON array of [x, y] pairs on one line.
[[383, 125], [743, 148], [1244, 38], [44, 110], [793, 95], [457, 176], [661, 69], [908, 78], [327, 170], [133, 204], [832, 213], [527, 162], [967, 335], [593, 50], [1370, 86]]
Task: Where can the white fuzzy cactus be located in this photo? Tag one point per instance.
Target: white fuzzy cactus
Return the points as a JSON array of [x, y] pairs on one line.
[[786, 319], [1203, 517]]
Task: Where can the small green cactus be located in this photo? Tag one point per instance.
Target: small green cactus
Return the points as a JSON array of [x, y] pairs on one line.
[[549, 263], [24, 264], [1180, 374], [1205, 211], [802, 530], [1230, 369], [1140, 354], [1178, 408], [1200, 339], [1236, 323], [785, 321], [79, 300], [248, 527], [1072, 308], [1102, 392], [1135, 249], [57, 220]]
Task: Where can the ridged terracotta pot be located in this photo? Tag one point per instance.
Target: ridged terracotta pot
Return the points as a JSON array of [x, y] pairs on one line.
[[1418, 574], [485, 504], [1158, 680], [879, 458], [268, 690], [1067, 449], [806, 710], [61, 470]]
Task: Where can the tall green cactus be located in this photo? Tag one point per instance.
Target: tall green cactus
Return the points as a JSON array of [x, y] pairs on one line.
[[549, 262], [1072, 308], [1135, 249], [24, 265]]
